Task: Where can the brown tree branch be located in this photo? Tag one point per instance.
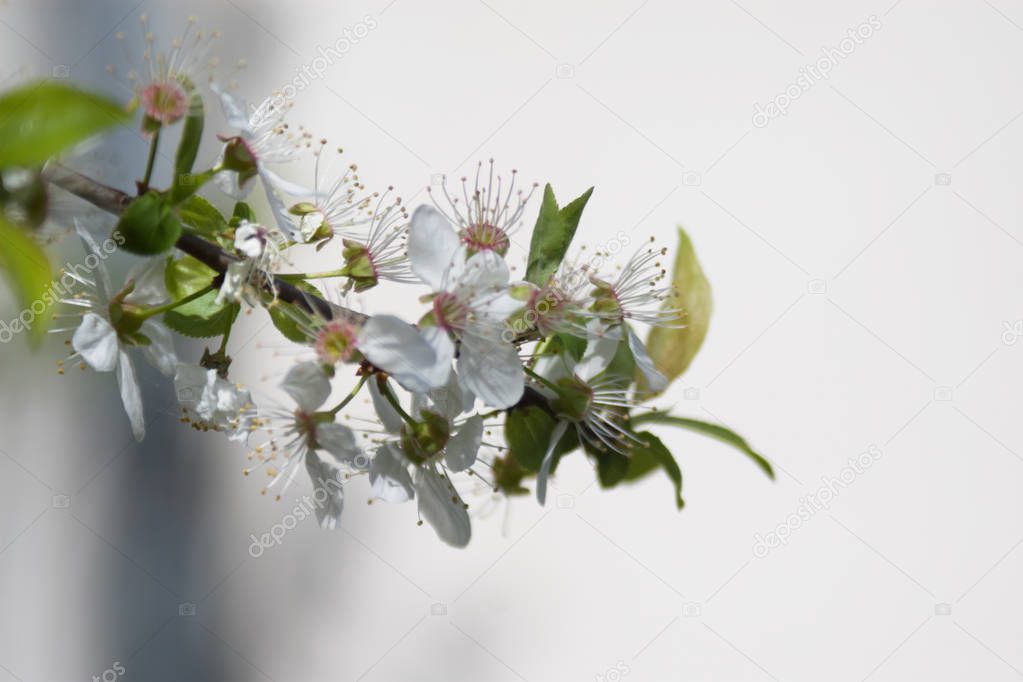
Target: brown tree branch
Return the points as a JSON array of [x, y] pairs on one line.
[[115, 201]]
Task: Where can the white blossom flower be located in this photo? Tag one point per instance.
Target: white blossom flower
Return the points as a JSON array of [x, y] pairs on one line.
[[262, 138], [442, 444], [589, 396], [636, 294], [336, 207], [211, 402], [162, 86], [111, 324], [380, 254], [385, 341], [311, 437], [259, 250], [471, 304], [487, 217]]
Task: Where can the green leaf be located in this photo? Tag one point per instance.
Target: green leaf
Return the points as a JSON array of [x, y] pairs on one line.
[[612, 467], [202, 216], [149, 226], [28, 271], [289, 318], [202, 318], [552, 235], [191, 136], [673, 349], [242, 211], [528, 431], [716, 431], [649, 455], [43, 118]]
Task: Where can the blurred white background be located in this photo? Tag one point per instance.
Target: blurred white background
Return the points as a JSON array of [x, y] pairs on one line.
[[865, 253]]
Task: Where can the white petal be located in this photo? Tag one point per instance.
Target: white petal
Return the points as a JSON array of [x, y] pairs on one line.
[[339, 441], [600, 351], [444, 352], [548, 459], [656, 381], [96, 341], [388, 474], [248, 240], [460, 452], [102, 277], [235, 110], [233, 286], [307, 384], [189, 384], [131, 396], [442, 508], [450, 400], [160, 351], [399, 349], [328, 495], [497, 307], [432, 245], [388, 416], [485, 270], [148, 277], [492, 371], [285, 221], [227, 182]]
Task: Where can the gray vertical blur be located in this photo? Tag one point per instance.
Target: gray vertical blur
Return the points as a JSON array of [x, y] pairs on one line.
[[99, 552]]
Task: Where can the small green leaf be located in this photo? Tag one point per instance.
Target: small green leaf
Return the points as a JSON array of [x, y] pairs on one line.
[[673, 349], [191, 136], [717, 431], [43, 118], [203, 317], [202, 216], [28, 271], [612, 467], [649, 455], [552, 235], [528, 431], [149, 226], [242, 211], [289, 318]]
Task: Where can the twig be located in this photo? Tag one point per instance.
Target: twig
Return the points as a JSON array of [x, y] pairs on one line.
[[115, 201]]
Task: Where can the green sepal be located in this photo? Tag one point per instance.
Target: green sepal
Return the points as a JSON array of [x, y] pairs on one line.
[[148, 226]]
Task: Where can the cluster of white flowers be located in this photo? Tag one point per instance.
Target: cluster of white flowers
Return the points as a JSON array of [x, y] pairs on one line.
[[434, 381]]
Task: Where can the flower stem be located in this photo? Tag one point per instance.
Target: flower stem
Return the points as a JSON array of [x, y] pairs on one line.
[[293, 276], [546, 382], [151, 161], [393, 399], [150, 312], [350, 396]]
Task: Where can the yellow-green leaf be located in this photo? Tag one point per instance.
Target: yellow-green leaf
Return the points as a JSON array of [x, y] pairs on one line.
[[43, 118], [27, 270], [673, 348]]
